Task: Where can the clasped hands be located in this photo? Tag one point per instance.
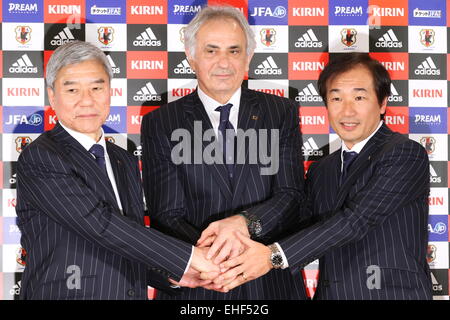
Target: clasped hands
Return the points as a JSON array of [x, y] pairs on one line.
[[225, 257]]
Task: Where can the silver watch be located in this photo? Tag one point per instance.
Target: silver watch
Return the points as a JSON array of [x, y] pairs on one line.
[[276, 259]]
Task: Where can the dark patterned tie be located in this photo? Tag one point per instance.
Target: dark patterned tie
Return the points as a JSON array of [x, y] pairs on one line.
[[99, 154], [228, 139], [349, 157]]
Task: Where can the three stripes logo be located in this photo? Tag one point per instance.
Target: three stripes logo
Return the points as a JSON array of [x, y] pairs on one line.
[[23, 65], [310, 148], [389, 40], [434, 177], [427, 67], [395, 96], [183, 68], [268, 67], [308, 40], [147, 39], [114, 67], [308, 94], [147, 93], [63, 37]]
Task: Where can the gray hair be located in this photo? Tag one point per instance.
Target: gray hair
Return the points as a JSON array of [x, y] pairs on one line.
[[217, 12], [73, 53]]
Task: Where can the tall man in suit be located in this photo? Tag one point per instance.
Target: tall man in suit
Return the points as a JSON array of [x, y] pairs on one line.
[[80, 202], [369, 199], [185, 197]]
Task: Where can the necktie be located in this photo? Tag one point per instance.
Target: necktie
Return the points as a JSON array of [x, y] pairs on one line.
[[99, 154], [227, 137], [349, 157]]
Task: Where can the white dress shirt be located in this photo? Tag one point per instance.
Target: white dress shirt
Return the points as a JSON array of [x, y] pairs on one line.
[[214, 116], [357, 147], [87, 142]]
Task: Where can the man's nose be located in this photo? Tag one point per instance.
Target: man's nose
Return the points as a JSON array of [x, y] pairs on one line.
[[86, 98], [349, 108]]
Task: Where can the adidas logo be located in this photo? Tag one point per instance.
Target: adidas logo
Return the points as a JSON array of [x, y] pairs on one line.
[[389, 40], [23, 65], [434, 178], [114, 68], [308, 40], [183, 68], [427, 67], [395, 97], [310, 148], [147, 39], [436, 285], [308, 94], [15, 291], [147, 93], [63, 37], [268, 67]]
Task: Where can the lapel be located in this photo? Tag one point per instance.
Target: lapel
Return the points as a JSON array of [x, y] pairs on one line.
[[329, 182], [250, 117], [121, 179], [83, 162], [195, 111], [363, 161]]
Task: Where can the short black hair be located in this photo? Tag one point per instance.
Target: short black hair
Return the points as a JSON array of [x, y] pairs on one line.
[[348, 61]]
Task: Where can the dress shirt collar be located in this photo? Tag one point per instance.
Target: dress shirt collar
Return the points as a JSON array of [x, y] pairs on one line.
[[86, 141], [210, 104], [358, 146]]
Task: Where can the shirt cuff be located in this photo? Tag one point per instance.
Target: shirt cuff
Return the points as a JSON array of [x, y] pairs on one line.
[[285, 262], [174, 286]]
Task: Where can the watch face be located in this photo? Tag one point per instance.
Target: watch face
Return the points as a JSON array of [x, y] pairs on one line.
[[277, 260]]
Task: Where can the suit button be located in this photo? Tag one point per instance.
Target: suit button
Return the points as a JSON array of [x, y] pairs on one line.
[[325, 283], [130, 293]]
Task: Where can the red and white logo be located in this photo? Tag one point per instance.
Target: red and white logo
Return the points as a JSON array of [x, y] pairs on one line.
[[314, 120], [143, 11], [306, 66], [147, 65], [105, 35], [23, 34], [134, 116], [396, 63]]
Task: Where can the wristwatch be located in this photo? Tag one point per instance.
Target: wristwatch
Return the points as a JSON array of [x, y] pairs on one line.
[[276, 259], [253, 224]]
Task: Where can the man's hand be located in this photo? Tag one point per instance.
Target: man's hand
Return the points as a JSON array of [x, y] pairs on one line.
[[191, 279], [253, 263], [199, 270], [222, 237]]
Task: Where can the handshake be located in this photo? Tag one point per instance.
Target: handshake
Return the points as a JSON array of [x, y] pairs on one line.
[[225, 257]]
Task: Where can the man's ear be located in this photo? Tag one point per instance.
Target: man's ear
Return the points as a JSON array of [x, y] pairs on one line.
[[249, 58], [190, 59], [51, 96], [383, 106]]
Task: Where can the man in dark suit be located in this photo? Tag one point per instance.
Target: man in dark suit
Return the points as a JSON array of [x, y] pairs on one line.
[[80, 202], [369, 199], [224, 189]]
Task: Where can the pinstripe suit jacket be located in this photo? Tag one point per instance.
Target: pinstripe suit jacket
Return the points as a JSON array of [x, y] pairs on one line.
[[382, 222], [183, 199], [70, 222]]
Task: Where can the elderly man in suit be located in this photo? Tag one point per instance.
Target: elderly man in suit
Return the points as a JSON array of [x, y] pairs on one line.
[[225, 190], [80, 201], [369, 200]]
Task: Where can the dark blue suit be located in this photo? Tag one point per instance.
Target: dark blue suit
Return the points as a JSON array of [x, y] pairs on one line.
[[70, 222], [378, 219], [183, 199]]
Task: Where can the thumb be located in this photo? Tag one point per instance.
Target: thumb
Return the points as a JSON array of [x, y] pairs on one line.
[[244, 239], [208, 232]]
